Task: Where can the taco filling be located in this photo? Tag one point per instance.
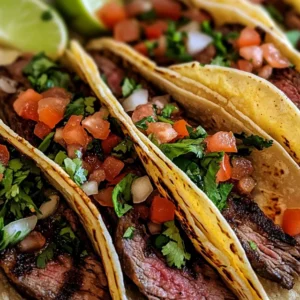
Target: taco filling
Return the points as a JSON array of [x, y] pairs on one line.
[[66, 122], [286, 16], [44, 250], [170, 32], [219, 163]]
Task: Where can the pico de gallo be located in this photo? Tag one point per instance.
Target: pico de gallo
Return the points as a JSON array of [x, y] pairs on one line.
[[285, 16], [38, 231], [169, 32], [64, 120]]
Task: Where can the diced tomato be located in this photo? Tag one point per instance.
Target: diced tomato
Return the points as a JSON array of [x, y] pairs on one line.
[[73, 149], [245, 65], [141, 48], [254, 54], [93, 161], [96, 126], [167, 9], [143, 111], [112, 167], [164, 132], [57, 92], [104, 197], [41, 130], [181, 128], [58, 137], [273, 56], [137, 7], [117, 179], [196, 15], [4, 155], [142, 211], [104, 112], [248, 37], [51, 110], [156, 30], [161, 48], [221, 141], [241, 167], [111, 142], [162, 210], [291, 221], [265, 72], [246, 185], [224, 172], [97, 175], [127, 31], [26, 105], [73, 132], [111, 13]]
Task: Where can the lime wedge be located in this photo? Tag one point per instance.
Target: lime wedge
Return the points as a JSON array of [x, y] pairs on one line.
[[32, 26], [81, 14]]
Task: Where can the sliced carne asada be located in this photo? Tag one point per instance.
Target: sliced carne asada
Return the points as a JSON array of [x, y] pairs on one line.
[[43, 254], [102, 161], [218, 164]]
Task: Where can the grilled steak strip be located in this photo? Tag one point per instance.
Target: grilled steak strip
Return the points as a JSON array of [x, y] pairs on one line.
[[155, 278], [64, 277], [273, 254]]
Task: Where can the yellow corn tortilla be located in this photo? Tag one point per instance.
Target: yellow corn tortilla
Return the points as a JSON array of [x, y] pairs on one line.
[[82, 205], [276, 173]]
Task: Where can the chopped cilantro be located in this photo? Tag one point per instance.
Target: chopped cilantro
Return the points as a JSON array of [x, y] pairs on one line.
[[2, 168], [123, 149], [173, 150], [44, 145], [122, 194], [60, 157], [129, 86], [45, 256], [75, 107], [89, 103], [168, 110], [252, 245], [74, 168], [128, 234], [165, 120], [147, 16], [15, 164], [196, 133], [153, 139], [151, 46], [44, 74], [220, 61], [254, 141], [67, 240], [174, 249], [143, 124], [95, 148], [176, 47], [46, 15], [293, 36], [274, 13]]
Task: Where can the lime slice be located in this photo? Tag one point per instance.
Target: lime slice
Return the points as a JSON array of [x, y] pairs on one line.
[[32, 26], [81, 14]]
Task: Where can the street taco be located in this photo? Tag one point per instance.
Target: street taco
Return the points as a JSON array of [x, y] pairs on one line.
[[45, 251], [257, 70], [206, 148], [58, 113]]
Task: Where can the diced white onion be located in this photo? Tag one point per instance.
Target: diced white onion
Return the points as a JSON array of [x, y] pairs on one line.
[[138, 97], [192, 26], [197, 41], [90, 187], [24, 226], [154, 228], [141, 188], [49, 207], [7, 85], [161, 101]]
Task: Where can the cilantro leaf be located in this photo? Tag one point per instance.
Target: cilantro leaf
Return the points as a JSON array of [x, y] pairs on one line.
[[75, 108], [196, 133], [254, 141], [174, 250], [45, 256], [60, 157], [74, 168], [252, 245], [44, 74], [165, 120], [15, 164], [147, 16], [44, 145], [151, 46], [129, 86], [173, 150], [123, 149], [168, 110], [142, 124], [221, 61], [2, 168], [122, 194], [128, 234], [293, 36], [89, 103]]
